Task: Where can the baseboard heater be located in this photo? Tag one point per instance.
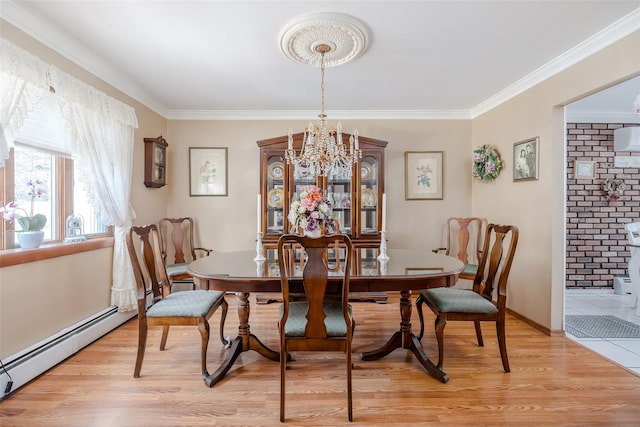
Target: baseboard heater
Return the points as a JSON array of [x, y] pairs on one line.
[[37, 359]]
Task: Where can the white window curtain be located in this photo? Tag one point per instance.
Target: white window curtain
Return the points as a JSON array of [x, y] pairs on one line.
[[101, 131]]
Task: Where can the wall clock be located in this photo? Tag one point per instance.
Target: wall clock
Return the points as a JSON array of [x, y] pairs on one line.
[[155, 162]]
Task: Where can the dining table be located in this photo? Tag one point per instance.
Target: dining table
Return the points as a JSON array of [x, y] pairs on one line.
[[404, 271]]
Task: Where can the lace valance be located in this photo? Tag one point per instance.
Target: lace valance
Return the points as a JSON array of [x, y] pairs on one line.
[[26, 79]]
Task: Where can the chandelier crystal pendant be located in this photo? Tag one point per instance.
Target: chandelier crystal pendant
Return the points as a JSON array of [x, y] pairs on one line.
[[323, 152]]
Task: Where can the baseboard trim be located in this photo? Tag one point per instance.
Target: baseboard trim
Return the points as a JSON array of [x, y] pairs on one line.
[[536, 325], [42, 356]]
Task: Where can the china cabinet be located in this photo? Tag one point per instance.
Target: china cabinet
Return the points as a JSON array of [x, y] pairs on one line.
[[356, 199]]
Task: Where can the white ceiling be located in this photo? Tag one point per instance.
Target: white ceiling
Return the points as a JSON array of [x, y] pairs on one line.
[[424, 59]]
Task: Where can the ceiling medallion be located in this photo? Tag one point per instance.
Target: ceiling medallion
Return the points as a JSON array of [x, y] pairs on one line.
[[345, 36]]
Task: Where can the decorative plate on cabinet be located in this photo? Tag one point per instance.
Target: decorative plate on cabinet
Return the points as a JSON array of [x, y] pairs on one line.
[[365, 170], [276, 170], [369, 198], [275, 198]]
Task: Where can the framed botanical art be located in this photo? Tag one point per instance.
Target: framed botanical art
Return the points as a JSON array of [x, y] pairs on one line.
[[423, 175], [584, 169], [526, 159], [207, 171]]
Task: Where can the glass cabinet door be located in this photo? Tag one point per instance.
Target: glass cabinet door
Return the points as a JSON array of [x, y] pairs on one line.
[[275, 197], [339, 191], [369, 196]]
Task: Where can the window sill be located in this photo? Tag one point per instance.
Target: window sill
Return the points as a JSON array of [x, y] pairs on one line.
[[53, 250]]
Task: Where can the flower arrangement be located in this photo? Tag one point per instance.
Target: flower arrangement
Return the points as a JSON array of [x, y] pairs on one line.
[[312, 212], [28, 221], [613, 188], [486, 163]]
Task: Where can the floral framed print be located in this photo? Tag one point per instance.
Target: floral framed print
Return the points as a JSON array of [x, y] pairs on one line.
[[423, 175], [584, 169], [207, 171], [526, 159]]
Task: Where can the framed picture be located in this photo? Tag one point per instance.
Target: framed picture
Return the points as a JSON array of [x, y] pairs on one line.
[[423, 175], [207, 171], [526, 160], [584, 169]]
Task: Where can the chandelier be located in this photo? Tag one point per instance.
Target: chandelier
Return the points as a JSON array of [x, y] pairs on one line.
[[323, 152]]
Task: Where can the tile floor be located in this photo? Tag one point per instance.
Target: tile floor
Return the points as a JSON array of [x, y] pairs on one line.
[[624, 351]]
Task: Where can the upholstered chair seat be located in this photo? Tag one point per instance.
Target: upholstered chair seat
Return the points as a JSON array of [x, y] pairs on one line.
[[334, 322], [185, 304]]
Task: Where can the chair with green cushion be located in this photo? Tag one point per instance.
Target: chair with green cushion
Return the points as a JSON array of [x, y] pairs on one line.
[[464, 238], [477, 304], [322, 320], [180, 233], [191, 307]]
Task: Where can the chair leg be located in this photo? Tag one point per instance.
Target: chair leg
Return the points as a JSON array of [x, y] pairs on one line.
[[419, 302], [478, 333], [349, 385], [142, 345], [203, 327], [225, 342], [283, 368], [441, 322], [165, 334], [502, 342]]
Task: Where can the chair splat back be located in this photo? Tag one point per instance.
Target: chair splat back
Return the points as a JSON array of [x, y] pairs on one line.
[[493, 264], [146, 277], [180, 234], [464, 241]]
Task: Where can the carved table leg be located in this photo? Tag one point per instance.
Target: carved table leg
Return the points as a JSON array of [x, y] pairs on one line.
[[245, 341], [404, 338]]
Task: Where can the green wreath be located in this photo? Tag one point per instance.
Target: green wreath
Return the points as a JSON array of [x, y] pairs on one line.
[[486, 163]]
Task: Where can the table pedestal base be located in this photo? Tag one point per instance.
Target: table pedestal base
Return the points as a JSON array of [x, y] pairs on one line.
[[245, 341], [404, 338]]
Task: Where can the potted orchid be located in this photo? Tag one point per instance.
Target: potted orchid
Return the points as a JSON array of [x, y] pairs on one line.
[[312, 212], [31, 224]]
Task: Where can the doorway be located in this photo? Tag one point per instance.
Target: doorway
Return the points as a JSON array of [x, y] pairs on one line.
[[595, 236]]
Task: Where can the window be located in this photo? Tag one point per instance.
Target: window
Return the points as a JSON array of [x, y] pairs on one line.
[[64, 197]]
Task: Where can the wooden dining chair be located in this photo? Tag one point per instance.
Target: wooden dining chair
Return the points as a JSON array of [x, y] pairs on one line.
[[322, 320], [464, 238], [190, 307], [477, 304], [177, 234]]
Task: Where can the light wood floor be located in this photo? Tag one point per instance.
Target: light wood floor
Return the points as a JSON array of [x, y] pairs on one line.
[[553, 381]]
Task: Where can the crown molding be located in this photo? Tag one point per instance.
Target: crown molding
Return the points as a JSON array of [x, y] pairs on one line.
[[311, 115], [75, 52], [609, 35]]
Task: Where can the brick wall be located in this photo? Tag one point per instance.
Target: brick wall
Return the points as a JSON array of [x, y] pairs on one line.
[[596, 239]]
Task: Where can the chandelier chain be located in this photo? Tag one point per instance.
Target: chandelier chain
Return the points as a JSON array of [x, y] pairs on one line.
[[322, 84], [323, 152]]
